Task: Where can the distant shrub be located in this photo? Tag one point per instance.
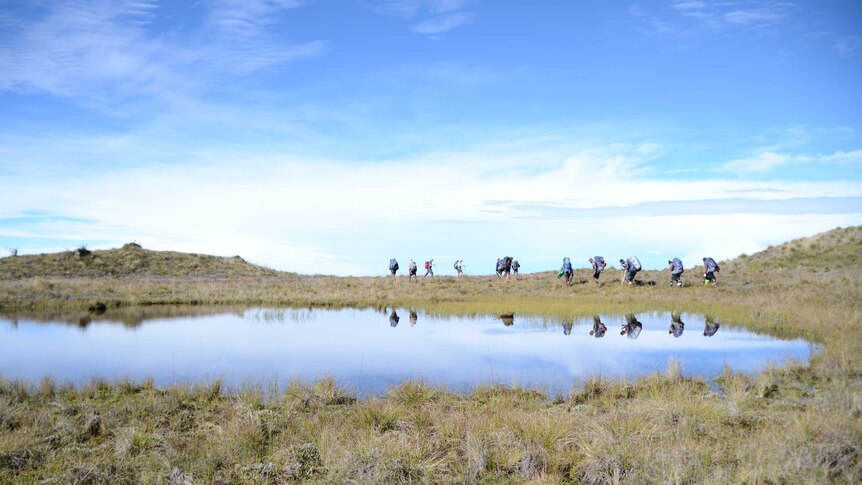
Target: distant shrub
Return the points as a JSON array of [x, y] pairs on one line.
[[13, 251]]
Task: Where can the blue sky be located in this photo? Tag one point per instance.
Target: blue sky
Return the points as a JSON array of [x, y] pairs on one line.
[[327, 137]]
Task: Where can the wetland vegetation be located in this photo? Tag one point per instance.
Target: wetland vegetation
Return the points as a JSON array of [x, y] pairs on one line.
[[798, 423]]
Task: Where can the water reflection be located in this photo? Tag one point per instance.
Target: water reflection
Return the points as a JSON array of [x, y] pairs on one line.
[[599, 328], [710, 326], [632, 327], [357, 349], [676, 325]]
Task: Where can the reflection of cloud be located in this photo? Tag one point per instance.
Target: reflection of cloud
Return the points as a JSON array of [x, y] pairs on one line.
[[361, 349]]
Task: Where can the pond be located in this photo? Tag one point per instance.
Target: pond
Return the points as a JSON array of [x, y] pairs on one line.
[[371, 350]]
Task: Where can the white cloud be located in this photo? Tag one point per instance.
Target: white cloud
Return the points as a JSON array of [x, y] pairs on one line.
[[104, 53], [442, 23], [847, 46], [844, 158], [762, 162]]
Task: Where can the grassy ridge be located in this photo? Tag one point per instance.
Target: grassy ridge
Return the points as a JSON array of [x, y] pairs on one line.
[[130, 260], [796, 424]]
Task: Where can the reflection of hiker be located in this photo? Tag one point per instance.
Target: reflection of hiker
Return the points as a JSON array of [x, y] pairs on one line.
[[515, 266], [710, 268], [393, 266], [393, 318], [567, 271], [459, 266], [599, 265], [632, 327], [567, 327], [413, 317], [711, 327], [599, 328], [429, 267], [676, 271], [630, 268], [508, 319], [676, 325], [411, 269]]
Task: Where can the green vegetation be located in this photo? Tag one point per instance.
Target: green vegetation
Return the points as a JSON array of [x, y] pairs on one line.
[[793, 424]]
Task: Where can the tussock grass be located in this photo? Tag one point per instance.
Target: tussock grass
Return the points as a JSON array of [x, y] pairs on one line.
[[793, 423]]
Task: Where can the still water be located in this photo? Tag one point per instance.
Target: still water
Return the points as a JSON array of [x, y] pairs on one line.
[[371, 350]]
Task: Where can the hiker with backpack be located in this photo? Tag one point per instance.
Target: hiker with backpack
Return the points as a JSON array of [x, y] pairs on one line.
[[504, 266], [459, 267], [567, 271], [710, 268], [515, 266], [411, 270], [630, 267], [599, 265], [676, 271], [393, 266], [429, 267]]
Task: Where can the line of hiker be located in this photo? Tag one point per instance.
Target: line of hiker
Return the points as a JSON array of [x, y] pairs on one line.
[[629, 268]]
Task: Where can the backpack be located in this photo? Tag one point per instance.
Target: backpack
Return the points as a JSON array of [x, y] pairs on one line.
[[427, 264], [600, 261], [393, 264], [635, 263], [456, 265], [501, 264], [567, 265], [412, 266], [711, 265], [677, 264]]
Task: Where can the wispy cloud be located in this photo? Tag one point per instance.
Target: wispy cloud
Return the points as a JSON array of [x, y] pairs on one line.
[[848, 46], [429, 17], [689, 17], [105, 53], [768, 161]]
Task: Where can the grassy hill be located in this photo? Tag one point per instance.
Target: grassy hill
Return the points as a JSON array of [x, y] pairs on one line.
[[837, 248], [130, 260]]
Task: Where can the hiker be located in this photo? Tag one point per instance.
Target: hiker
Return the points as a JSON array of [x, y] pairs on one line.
[[676, 271], [676, 325], [429, 267], [567, 327], [711, 326], [599, 265], [567, 271], [710, 268], [411, 269], [393, 266], [515, 266], [413, 317], [459, 267], [632, 327], [630, 267], [599, 328], [393, 318], [504, 266]]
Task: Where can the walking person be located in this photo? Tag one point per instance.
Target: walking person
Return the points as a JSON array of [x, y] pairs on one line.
[[676, 271], [429, 268], [567, 271], [631, 267], [515, 266], [393, 266], [459, 267], [599, 265], [411, 270], [599, 328], [676, 325], [710, 268]]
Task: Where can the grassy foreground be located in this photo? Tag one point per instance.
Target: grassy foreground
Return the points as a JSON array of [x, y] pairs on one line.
[[797, 424]]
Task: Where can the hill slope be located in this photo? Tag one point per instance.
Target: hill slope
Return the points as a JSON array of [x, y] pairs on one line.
[[838, 248], [130, 260]]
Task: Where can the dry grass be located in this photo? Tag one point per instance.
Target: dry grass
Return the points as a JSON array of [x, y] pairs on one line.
[[793, 424]]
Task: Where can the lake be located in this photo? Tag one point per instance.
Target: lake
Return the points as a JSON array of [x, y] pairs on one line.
[[371, 350]]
